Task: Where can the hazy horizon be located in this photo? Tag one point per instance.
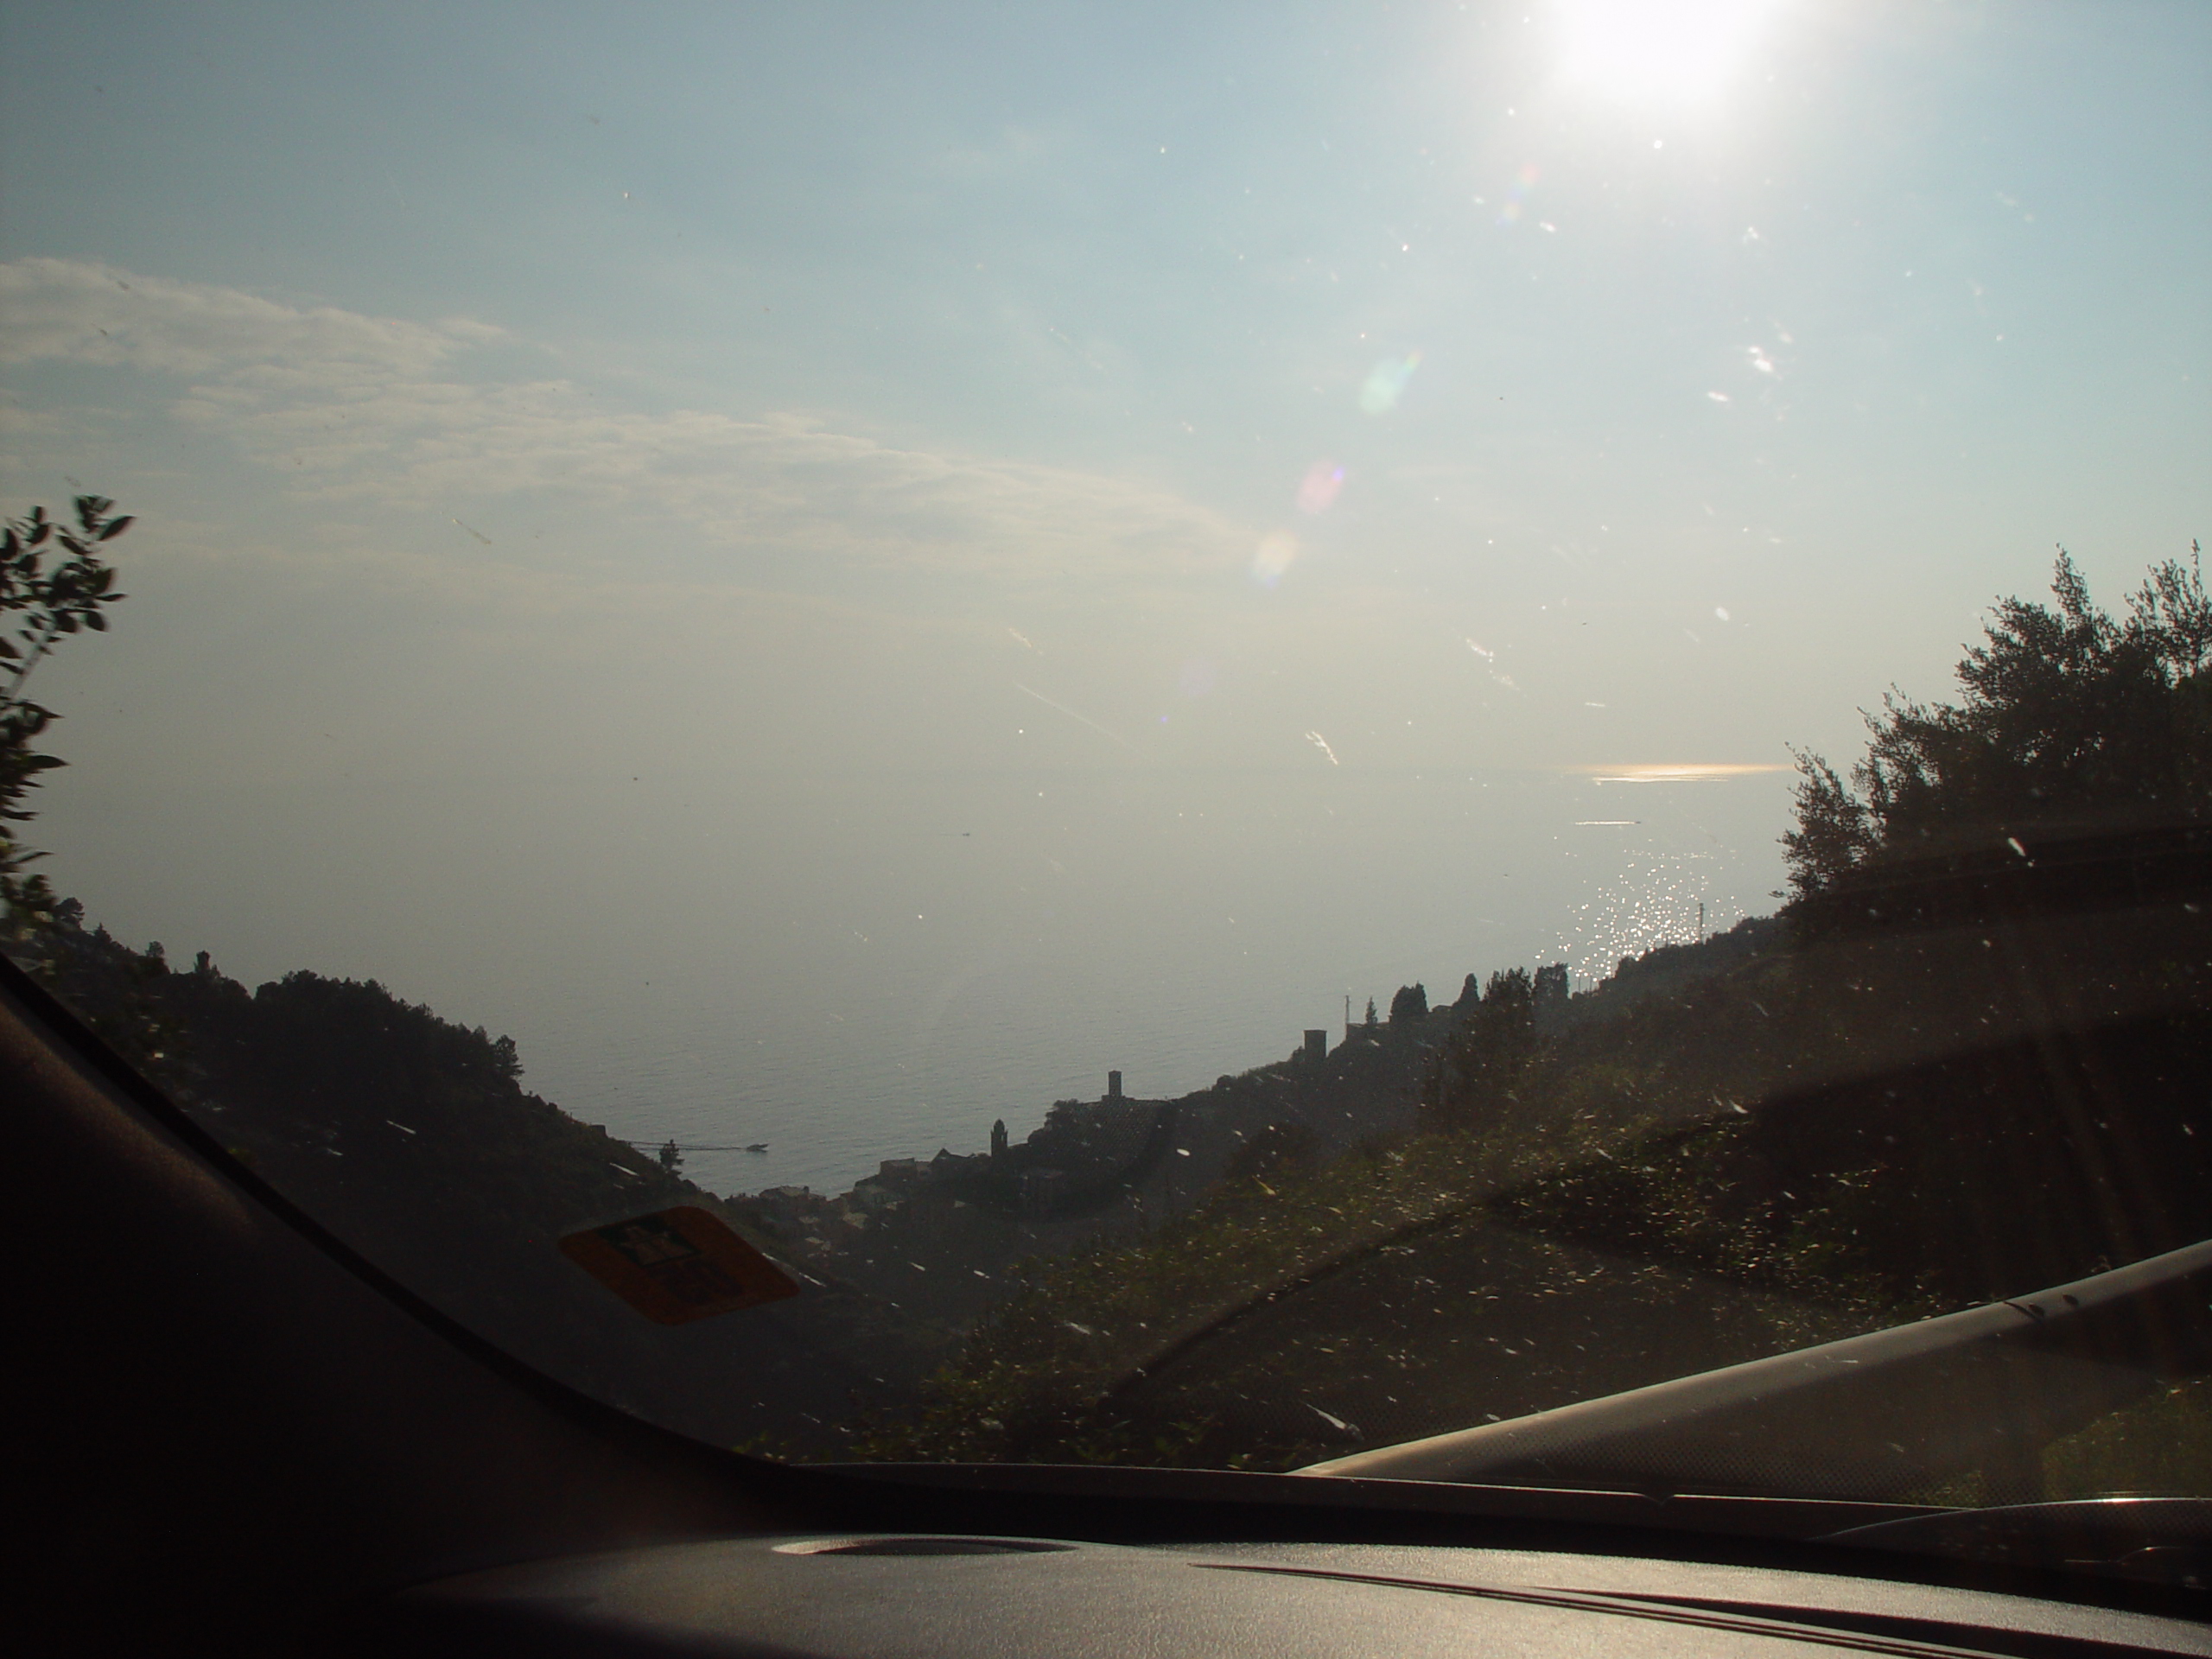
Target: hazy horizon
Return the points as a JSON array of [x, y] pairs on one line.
[[837, 573]]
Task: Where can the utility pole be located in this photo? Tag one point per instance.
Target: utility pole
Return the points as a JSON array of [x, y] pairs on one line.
[[1700, 921]]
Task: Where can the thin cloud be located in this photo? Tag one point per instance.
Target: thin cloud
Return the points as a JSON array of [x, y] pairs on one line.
[[354, 408], [89, 313]]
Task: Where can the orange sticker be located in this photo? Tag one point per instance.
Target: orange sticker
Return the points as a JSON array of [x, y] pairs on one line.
[[677, 1265]]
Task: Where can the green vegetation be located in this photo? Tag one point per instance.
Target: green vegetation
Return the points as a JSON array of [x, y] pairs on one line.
[[43, 600], [347, 1096], [1037, 1380], [412, 1139], [1772, 1138], [2069, 716], [1474, 1080], [1894, 1106], [2162, 1447], [1812, 1125]]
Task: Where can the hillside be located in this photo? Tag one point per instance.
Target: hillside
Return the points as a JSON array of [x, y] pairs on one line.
[[1795, 1134], [947, 1238], [413, 1140], [1805, 1127]]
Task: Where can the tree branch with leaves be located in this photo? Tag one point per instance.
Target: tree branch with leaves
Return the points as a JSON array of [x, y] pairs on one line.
[[54, 582], [2069, 716]]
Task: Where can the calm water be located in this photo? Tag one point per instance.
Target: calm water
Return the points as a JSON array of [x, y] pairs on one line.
[[864, 1032], [854, 968]]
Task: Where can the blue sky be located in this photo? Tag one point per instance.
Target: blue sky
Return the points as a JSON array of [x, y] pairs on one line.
[[520, 400]]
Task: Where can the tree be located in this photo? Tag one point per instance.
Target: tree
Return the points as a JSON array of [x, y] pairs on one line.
[[1475, 1073], [2068, 716], [1548, 996], [43, 598], [1411, 1003], [1370, 1010], [671, 1157]]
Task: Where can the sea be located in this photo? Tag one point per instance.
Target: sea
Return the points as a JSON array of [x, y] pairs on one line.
[[948, 958]]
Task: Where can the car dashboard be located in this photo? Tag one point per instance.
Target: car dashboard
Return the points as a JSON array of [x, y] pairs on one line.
[[874, 1597]]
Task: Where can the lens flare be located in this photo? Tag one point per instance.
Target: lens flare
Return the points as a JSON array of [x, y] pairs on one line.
[[1386, 383], [1277, 548], [1517, 194], [1317, 491]]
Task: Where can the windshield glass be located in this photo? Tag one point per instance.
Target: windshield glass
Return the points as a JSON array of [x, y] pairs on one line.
[[1205, 736]]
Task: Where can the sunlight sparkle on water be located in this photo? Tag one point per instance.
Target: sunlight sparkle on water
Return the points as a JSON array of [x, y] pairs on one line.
[[1677, 771], [1654, 903]]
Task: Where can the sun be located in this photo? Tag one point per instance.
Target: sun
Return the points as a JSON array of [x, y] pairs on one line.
[[1661, 52]]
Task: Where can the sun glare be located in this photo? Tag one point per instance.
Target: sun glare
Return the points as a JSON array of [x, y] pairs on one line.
[[1656, 51]]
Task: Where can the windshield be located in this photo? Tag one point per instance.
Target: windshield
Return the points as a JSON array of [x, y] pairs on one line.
[[1212, 737]]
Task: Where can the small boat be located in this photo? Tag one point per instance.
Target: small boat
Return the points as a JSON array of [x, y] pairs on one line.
[[758, 1146]]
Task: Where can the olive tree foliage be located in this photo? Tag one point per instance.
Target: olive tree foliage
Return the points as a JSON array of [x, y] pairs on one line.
[[54, 583], [2069, 715]]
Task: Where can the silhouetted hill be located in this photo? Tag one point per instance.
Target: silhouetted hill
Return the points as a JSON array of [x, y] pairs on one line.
[[412, 1139], [1792, 1131], [1777, 1137]]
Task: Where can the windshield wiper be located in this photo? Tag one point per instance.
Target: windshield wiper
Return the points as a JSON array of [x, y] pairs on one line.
[[1869, 1418]]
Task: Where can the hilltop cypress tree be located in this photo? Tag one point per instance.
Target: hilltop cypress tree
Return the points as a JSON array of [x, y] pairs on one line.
[[1410, 1003], [1550, 993]]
